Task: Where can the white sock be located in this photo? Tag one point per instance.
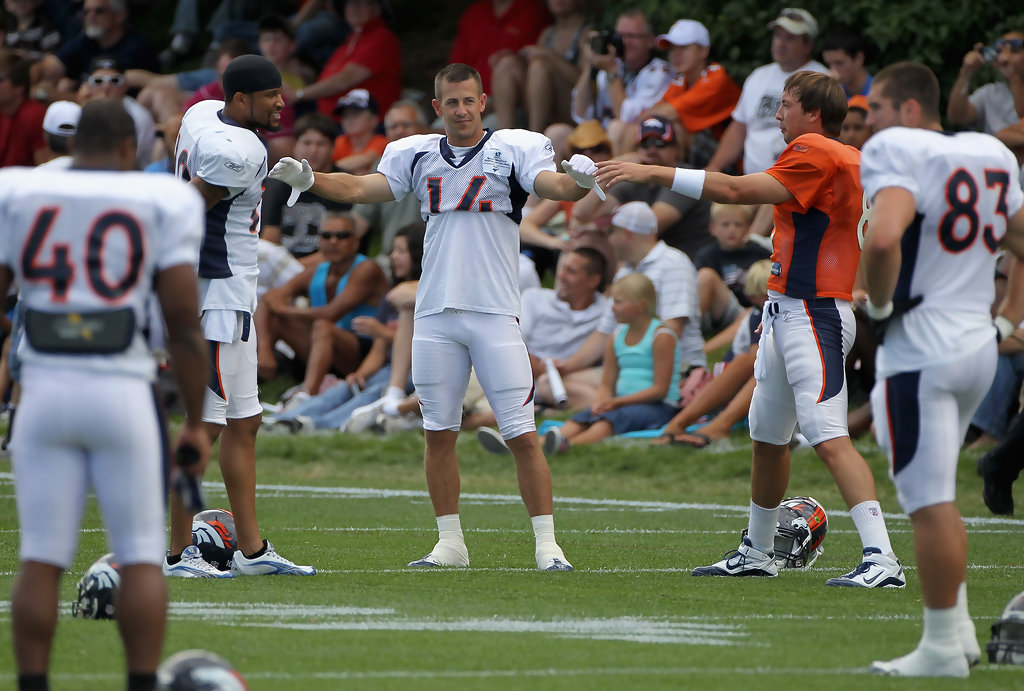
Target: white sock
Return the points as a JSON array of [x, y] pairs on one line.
[[867, 516], [392, 397], [968, 633], [761, 528], [940, 627], [450, 528], [543, 528]]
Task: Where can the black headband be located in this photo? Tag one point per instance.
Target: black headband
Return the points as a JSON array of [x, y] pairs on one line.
[[248, 74]]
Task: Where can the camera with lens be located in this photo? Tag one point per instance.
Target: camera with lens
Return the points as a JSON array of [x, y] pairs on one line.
[[990, 53], [609, 37]]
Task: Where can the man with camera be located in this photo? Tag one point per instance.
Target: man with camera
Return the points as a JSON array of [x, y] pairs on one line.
[[619, 76], [992, 105]]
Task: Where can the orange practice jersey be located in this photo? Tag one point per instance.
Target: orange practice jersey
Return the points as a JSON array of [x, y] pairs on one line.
[[815, 249], [343, 146]]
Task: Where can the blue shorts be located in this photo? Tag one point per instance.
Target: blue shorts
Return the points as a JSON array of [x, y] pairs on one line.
[[631, 418]]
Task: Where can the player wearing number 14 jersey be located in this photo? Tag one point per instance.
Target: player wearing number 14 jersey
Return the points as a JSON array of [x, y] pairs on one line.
[[942, 205], [472, 185]]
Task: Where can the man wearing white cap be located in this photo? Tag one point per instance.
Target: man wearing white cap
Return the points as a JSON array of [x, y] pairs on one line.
[[754, 130], [702, 95], [59, 126]]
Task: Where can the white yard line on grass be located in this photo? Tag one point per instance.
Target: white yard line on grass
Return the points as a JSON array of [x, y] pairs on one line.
[[285, 491]]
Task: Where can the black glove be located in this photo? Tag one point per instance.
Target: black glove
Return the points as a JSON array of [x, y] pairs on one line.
[[899, 308]]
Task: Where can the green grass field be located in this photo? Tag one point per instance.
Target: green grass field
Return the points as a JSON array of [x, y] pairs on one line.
[[633, 520]]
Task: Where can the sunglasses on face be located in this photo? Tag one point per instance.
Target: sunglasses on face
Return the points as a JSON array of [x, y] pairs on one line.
[[653, 143], [1014, 44], [340, 235], [104, 79]]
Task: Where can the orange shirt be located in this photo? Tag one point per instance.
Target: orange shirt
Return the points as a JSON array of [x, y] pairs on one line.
[[815, 248], [706, 103], [343, 146]]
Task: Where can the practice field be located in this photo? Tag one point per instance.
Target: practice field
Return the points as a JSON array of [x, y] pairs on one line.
[[633, 521]]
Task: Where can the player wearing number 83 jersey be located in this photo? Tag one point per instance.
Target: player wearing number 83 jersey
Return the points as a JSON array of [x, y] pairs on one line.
[[965, 186]]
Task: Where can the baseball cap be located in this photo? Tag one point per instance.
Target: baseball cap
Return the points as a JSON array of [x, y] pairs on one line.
[[357, 98], [636, 217], [859, 102], [61, 118], [105, 62], [796, 21], [683, 33], [588, 135], [657, 127]]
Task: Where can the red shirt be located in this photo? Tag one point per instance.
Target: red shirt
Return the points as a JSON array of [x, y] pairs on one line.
[[377, 49], [482, 33], [815, 247], [706, 103], [21, 135]]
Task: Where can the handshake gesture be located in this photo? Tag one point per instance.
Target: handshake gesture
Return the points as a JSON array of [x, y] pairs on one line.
[[298, 175], [581, 169]]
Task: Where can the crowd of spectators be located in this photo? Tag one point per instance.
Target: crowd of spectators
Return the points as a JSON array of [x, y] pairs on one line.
[[646, 93]]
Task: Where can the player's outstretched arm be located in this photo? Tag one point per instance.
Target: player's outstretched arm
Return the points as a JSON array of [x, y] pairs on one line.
[[342, 187], [572, 185], [759, 188]]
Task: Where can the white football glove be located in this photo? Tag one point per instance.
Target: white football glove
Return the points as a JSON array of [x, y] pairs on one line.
[[291, 172], [581, 169]]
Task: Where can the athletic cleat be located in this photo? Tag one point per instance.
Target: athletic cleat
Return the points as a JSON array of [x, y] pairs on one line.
[[555, 442], [925, 661], [491, 441], [996, 491], [969, 641], [745, 560], [192, 565], [268, 563], [557, 565], [876, 571], [445, 553]]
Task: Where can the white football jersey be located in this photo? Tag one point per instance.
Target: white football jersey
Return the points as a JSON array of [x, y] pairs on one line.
[[87, 241], [221, 152], [471, 201], [965, 186]]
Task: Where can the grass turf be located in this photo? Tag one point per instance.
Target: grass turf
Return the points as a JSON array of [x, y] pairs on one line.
[[633, 520]]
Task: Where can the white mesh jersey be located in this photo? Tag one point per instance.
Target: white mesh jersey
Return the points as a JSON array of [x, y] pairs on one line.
[[221, 152], [87, 241], [472, 207], [965, 186]]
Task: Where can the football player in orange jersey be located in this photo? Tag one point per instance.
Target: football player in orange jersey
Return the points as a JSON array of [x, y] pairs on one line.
[[807, 324]]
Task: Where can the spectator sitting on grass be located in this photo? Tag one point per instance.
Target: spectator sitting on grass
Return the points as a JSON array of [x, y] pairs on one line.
[[640, 383]]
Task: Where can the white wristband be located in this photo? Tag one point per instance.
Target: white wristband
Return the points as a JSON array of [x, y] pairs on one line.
[[1004, 326], [688, 182], [878, 313]]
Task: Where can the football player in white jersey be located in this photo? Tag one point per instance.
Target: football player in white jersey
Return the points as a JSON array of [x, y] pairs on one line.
[[472, 184], [942, 205], [89, 246], [220, 154]]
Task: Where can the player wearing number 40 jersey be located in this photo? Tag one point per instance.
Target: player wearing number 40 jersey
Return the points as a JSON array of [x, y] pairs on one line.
[[89, 246], [807, 323], [472, 185], [219, 152], [942, 205]]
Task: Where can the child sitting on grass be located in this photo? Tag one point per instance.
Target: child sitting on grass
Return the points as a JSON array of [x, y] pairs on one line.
[[640, 383]]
